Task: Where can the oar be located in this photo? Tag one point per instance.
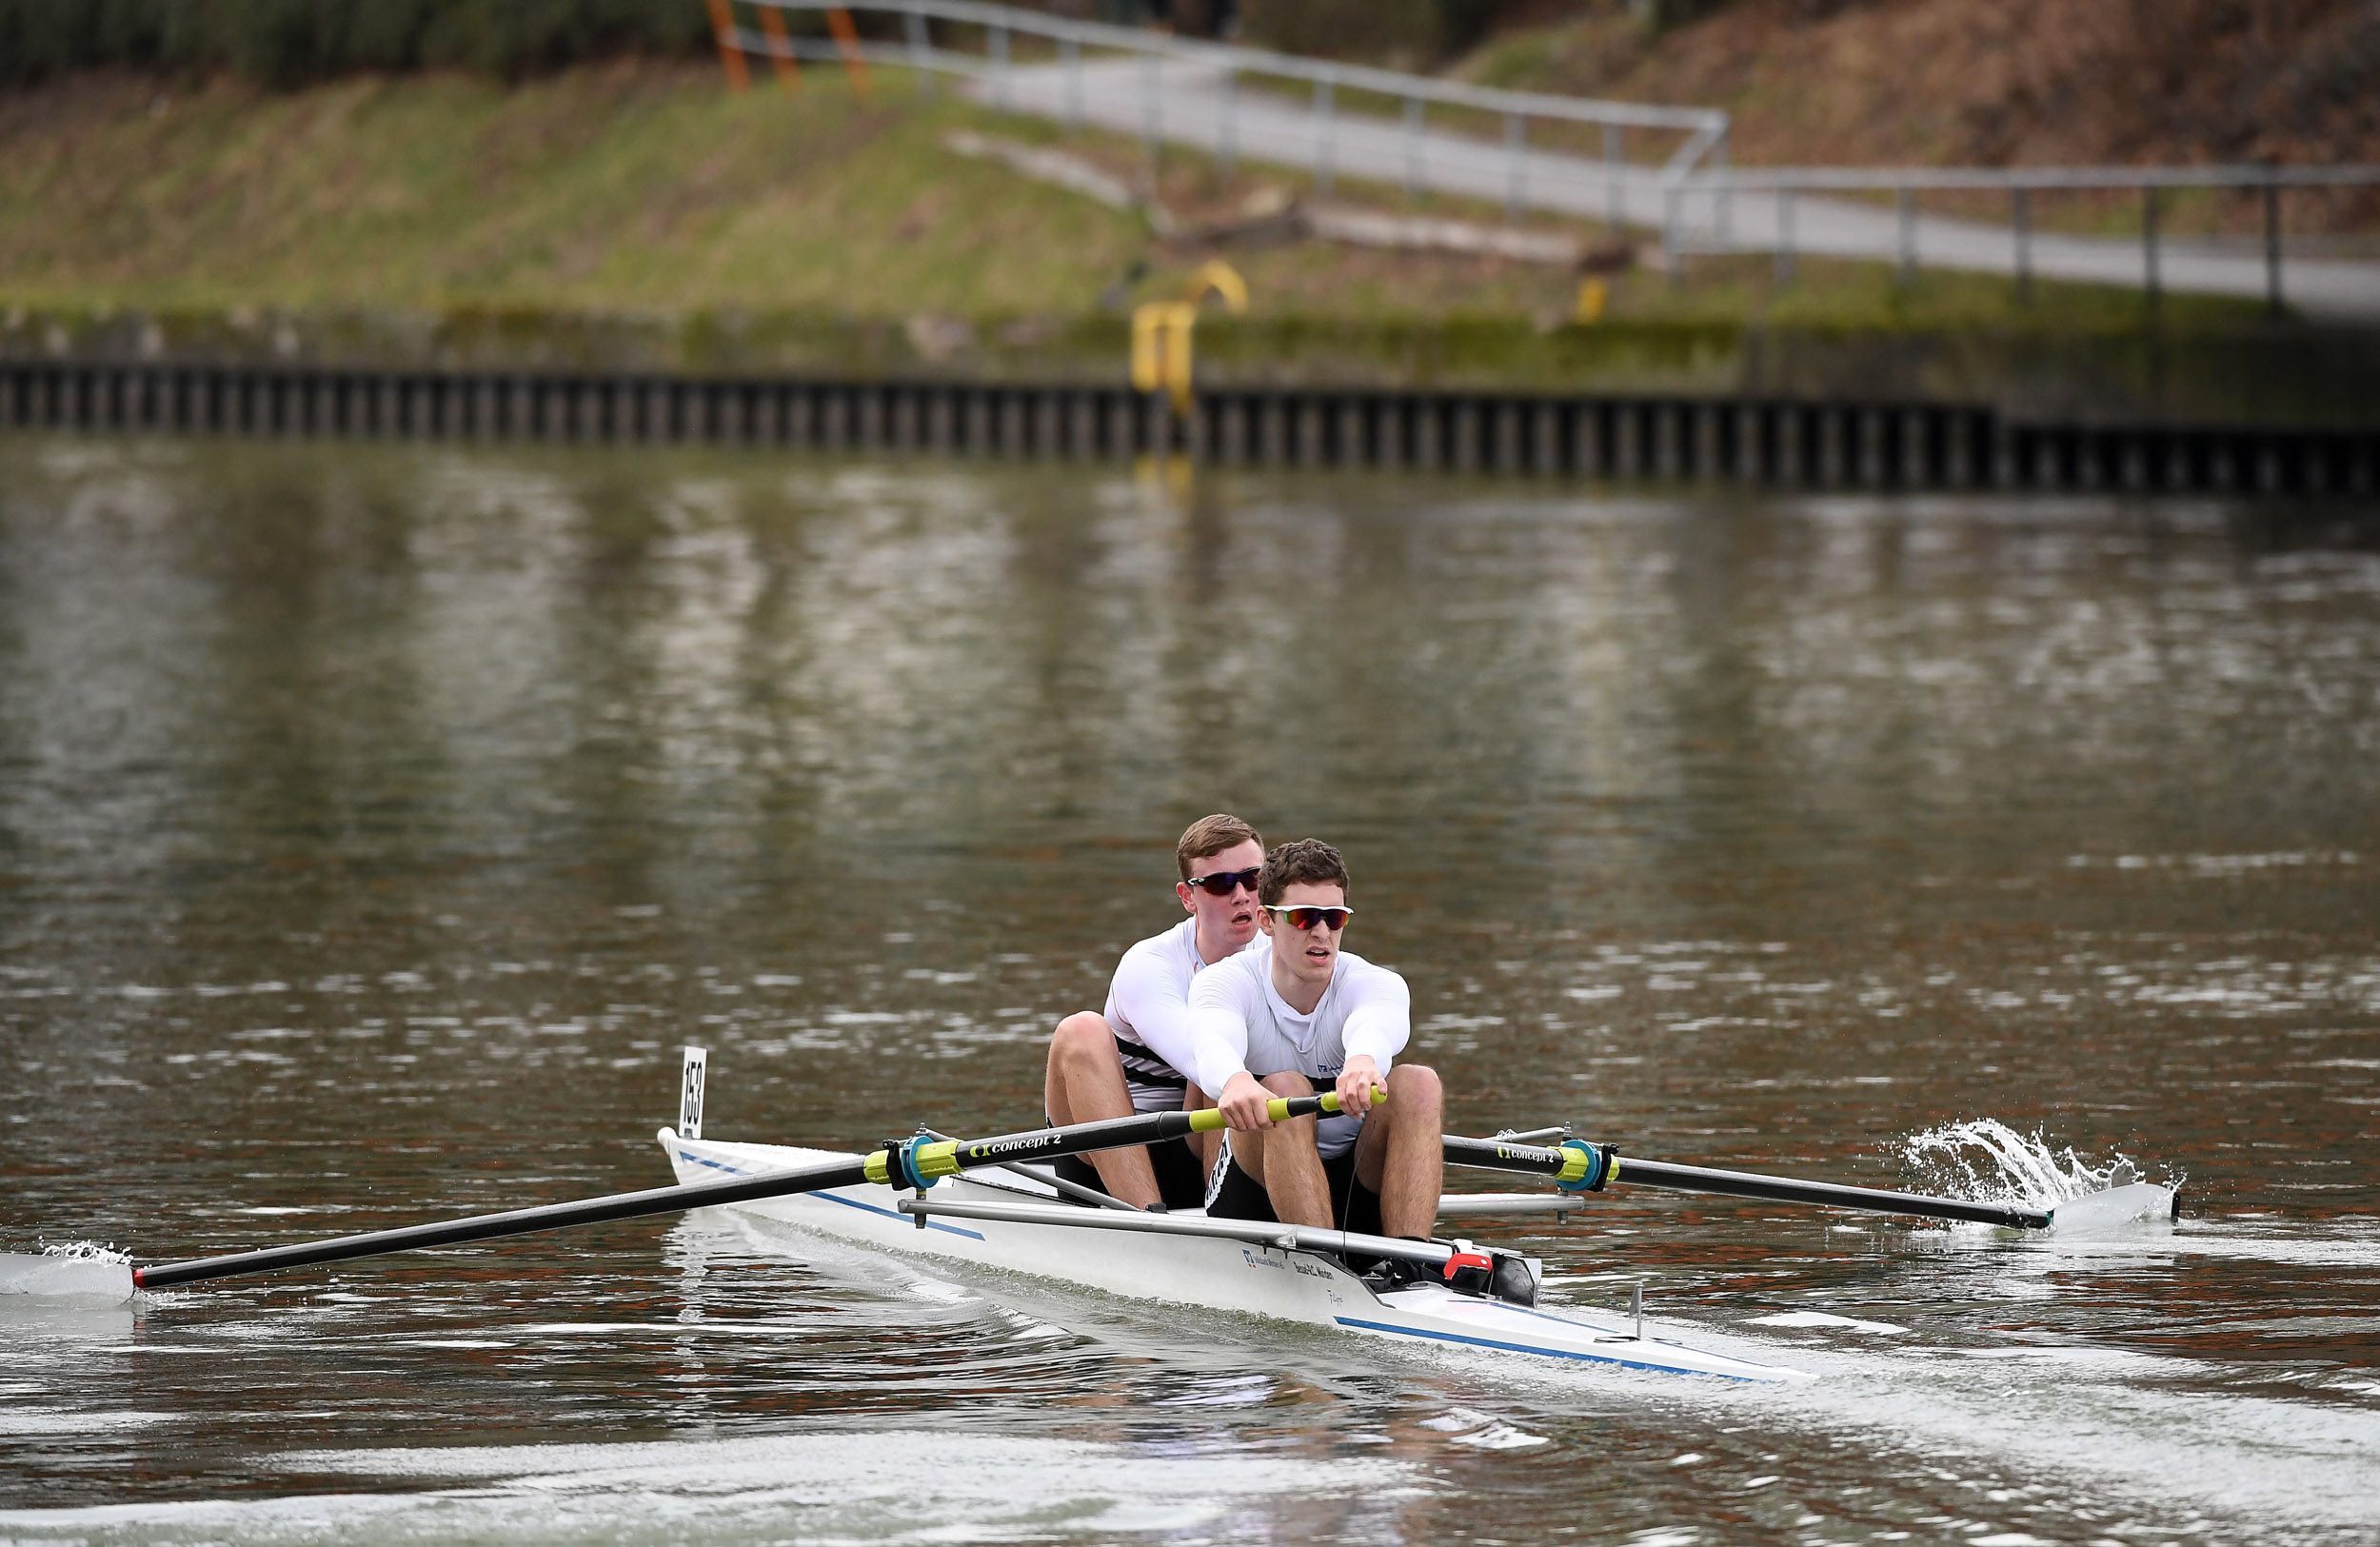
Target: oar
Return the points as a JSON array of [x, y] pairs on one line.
[[913, 1163], [1580, 1167]]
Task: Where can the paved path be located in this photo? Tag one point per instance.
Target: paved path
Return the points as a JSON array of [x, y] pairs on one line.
[[1185, 104]]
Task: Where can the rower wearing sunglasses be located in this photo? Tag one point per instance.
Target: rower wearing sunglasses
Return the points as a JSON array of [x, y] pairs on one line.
[[1129, 1058], [1303, 1017]]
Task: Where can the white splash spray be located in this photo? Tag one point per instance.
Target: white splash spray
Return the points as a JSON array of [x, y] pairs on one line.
[[1985, 1161], [80, 1268]]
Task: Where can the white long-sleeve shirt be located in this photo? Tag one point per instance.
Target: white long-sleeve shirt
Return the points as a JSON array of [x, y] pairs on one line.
[[1240, 1022], [1148, 1003]]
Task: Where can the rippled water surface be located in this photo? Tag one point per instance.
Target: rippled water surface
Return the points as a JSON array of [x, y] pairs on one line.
[[376, 823]]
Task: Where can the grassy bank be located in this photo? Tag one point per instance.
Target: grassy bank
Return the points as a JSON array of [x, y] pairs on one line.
[[637, 216]]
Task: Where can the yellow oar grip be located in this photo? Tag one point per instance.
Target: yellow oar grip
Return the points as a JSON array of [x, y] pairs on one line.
[[1209, 1118]]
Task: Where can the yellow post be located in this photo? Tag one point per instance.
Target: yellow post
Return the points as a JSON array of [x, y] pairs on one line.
[[1148, 361], [848, 44], [1161, 356], [1593, 293], [730, 52], [1160, 350], [780, 50], [1183, 317]]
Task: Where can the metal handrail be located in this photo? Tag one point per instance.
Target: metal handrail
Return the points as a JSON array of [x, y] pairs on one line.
[[1695, 176], [1784, 183], [1248, 61], [2006, 179], [1705, 129]]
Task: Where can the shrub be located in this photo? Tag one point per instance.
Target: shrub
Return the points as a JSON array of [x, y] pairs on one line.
[[286, 43]]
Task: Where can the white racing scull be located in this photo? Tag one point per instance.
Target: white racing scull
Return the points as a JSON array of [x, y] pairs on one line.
[[1290, 1273], [1018, 1222]]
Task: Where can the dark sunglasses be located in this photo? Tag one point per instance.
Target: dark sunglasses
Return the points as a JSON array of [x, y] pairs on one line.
[[1224, 883], [1304, 916]]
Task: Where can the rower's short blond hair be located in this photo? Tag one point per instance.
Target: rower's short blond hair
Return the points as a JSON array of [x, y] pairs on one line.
[[1209, 836]]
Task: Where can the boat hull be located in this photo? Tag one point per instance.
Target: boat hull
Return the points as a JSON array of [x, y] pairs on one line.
[[1249, 1279]]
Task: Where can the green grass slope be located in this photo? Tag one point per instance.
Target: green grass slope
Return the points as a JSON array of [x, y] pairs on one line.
[[626, 185]]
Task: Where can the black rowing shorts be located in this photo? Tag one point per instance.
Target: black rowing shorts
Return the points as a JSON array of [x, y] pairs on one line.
[[1354, 1206], [1180, 1180]]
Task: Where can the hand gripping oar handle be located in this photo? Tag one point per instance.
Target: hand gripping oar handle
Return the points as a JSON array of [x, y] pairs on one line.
[[911, 1163], [1578, 1167]]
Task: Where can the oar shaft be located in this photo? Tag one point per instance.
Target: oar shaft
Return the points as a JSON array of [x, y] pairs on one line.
[[1697, 1179], [1505, 1155], [905, 1165], [512, 1222]]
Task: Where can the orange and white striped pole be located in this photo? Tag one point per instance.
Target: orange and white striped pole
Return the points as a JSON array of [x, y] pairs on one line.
[[848, 44], [780, 49], [730, 52]]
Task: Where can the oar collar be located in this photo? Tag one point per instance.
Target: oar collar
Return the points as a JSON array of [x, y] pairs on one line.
[[913, 1164], [1587, 1168]]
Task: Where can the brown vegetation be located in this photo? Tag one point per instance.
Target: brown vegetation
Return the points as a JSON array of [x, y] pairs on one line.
[[1989, 82]]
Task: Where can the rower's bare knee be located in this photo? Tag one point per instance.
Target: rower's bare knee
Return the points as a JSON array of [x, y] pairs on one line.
[[1414, 1089], [1416, 1105], [1084, 1079], [1081, 1038]]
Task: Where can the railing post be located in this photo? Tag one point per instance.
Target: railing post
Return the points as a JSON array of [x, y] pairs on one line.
[[1671, 264], [920, 47], [1908, 204], [1724, 217], [2149, 240], [1412, 147], [999, 67], [2020, 221], [1784, 237], [2272, 245], [1070, 52], [1151, 123], [1516, 163], [1614, 153], [1227, 124], [1323, 135]]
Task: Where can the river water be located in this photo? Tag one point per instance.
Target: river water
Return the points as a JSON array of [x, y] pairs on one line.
[[376, 823]]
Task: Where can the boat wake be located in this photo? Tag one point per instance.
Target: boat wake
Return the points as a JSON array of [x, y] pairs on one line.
[[1985, 1160]]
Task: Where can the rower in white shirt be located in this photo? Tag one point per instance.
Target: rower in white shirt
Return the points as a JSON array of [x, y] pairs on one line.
[[1304, 1016], [1129, 1058]]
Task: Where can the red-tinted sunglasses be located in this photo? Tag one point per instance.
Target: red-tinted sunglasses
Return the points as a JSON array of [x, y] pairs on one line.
[[1304, 916]]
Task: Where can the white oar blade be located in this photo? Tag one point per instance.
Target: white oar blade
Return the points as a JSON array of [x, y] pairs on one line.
[[81, 1278], [2099, 1214]]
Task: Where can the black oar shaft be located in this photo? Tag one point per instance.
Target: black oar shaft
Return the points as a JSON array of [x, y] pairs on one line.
[[933, 1160], [514, 1222], [1697, 1179], [1500, 1155]]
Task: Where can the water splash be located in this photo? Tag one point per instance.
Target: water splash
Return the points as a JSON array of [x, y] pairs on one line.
[[68, 1268], [1986, 1161]]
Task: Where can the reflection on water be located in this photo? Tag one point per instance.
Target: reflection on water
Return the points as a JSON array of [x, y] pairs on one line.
[[375, 822]]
